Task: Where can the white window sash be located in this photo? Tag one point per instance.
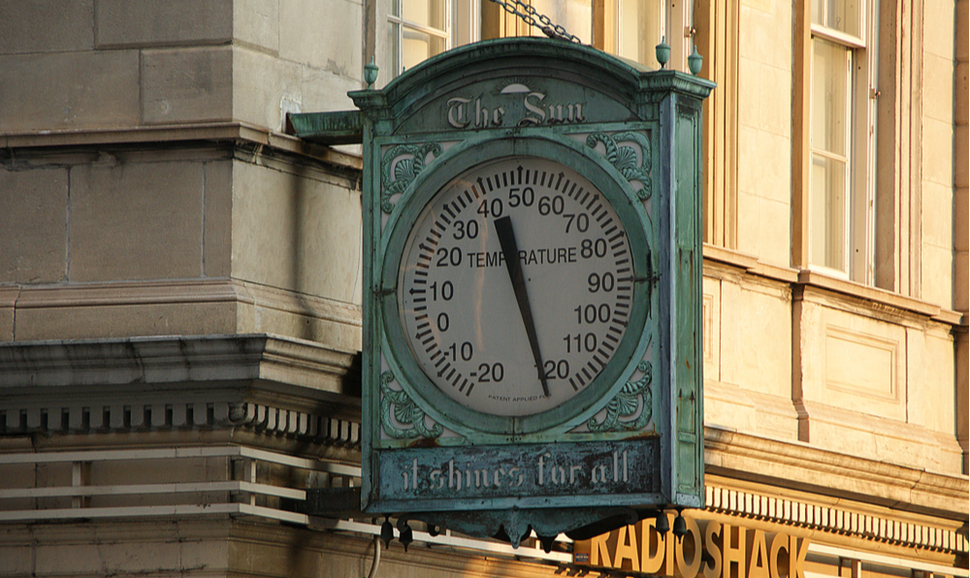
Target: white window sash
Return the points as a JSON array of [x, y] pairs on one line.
[[844, 268], [838, 37], [436, 32]]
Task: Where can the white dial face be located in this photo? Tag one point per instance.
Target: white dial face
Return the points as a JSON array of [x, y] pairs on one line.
[[515, 286]]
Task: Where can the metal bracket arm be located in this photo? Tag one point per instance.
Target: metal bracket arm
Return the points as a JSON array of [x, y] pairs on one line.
[[327, 128]]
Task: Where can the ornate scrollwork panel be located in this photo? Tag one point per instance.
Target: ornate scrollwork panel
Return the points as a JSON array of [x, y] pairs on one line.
[[634, 402], [633, 166], [398, 409], [399, 167]]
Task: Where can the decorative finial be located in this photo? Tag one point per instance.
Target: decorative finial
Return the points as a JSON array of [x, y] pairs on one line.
[[695, 61], [663, 52], [370, 73]]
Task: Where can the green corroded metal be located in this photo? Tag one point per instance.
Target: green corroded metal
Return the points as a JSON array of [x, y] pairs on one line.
[[663, 52], [626, 160], [634, 400], [548, 426], [694, 62], [342, 127], [685, 266], [370, 73], [632, 440], [397, 176], [397, 407]]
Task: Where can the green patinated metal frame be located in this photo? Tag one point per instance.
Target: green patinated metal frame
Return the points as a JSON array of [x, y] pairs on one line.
[[549, 425], [662, 104]]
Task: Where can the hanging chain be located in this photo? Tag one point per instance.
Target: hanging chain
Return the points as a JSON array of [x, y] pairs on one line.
[[529, 16]]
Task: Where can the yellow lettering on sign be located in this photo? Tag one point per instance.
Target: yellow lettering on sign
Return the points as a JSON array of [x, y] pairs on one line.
[[733, 554], [796, 562], [712, 536], [758, 557], [626, 549], [599, 552], [779, 544], [669, 558], [710, 549], [690, 546], [652, 547]]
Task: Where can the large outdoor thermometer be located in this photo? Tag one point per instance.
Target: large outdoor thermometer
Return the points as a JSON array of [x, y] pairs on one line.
[[516, 287], [532, 266]]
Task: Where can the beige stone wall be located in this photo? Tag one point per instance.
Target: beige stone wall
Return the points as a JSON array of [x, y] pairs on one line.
[[938, 154], [119, 234], [146, 190], [206, 240], [225, 548], [747, 351], [765, 131], [793, 361], [961, 203], [798, 355], [122, 63]]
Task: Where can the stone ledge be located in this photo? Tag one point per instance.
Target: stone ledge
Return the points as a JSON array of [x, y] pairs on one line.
[[180, 132], [853, 294], [797, 466], [128, 293], [190, 306], [271, 385], [25, 366], [209, 290], [837, 522]]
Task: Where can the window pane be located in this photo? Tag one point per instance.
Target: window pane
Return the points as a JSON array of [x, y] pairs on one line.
[[640, 24], [827, 213], [393, 55], [464, 22], [429, 13], [576, 16], [842, 15], [830, 85], [419, 47]]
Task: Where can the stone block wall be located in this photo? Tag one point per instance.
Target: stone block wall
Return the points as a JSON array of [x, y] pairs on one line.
[[146, 185], [765, 131], [803, 355], [67, 65], [146, 189], [195, 240]]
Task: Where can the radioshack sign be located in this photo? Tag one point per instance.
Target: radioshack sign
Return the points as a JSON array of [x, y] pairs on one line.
[[709, 549]]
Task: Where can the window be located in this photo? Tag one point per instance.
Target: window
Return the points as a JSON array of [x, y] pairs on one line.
[[841, 139], [628, 28], [640, 25], [420, 29], [575, 16]]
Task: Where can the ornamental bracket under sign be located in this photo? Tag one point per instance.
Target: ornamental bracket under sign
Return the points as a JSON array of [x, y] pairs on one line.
[[532, 288]]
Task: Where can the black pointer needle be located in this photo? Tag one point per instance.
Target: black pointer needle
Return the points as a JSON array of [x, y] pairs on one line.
[[506, 237]]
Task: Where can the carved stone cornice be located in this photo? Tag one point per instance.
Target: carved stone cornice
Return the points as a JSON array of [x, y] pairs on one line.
[[239, 132], [266, 383], [791, 465], [834, 521]]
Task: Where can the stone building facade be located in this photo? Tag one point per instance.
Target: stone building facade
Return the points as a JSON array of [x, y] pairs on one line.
[[180, 282]]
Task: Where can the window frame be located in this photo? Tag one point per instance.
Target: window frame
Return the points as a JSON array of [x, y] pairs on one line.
[[858, 218], [676, 29], [462, 26], [716, 37]]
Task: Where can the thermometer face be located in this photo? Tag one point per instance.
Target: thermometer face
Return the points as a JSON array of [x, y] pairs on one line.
[[516, 286]]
